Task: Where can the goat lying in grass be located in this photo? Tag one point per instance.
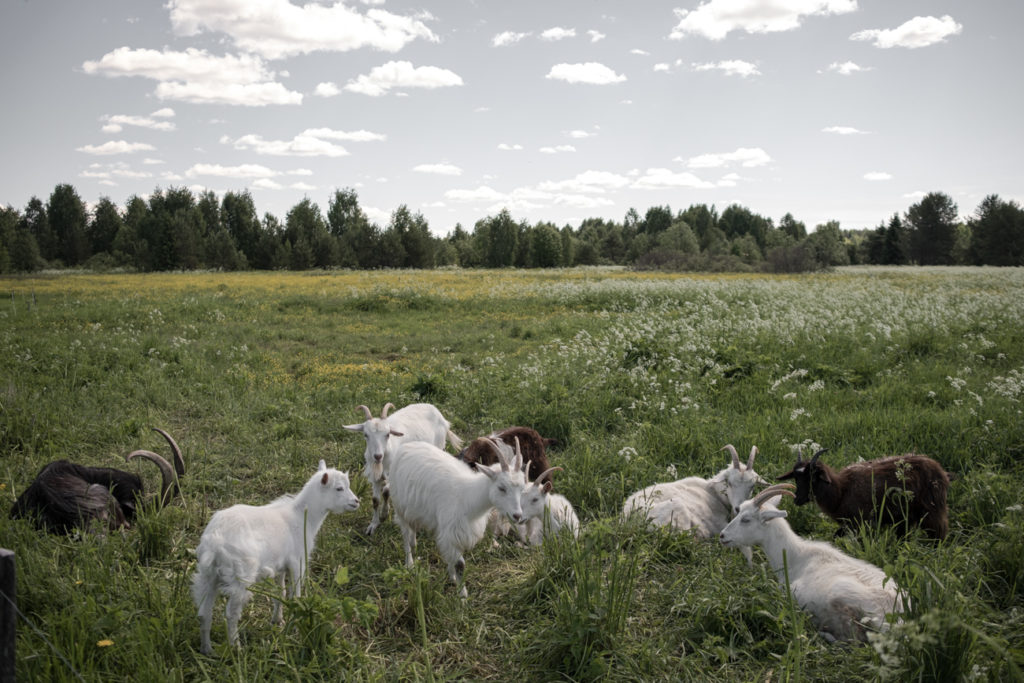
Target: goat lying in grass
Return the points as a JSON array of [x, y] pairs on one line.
[[546, 513], [66, 496], [244, 544], [846, 597], [902, 491]]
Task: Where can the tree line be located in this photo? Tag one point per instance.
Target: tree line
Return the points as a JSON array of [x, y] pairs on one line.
[[175, 229]]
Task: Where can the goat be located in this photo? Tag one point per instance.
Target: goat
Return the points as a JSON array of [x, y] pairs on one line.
[[546, 513], [846, 597], [415, 422], [433, 491], [534, 448], [902, 491], [66, 496], [703, 505], [243, 544]]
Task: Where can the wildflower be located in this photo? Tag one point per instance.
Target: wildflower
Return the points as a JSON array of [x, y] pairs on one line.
[[104, 643]]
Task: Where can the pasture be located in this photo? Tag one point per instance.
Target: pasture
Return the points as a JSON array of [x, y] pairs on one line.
[[641, 377]]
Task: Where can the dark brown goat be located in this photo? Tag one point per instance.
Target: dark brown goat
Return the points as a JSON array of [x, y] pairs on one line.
[[65, 496], [902, 491], [532, 444]]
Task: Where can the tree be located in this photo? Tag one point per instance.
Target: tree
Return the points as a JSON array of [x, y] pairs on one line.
[[997, 233], [9, 220], [238, 216], [38, 225], [413, 233], [103, 228], [737, 221], [656, 220], [826, 244], [24, 250], [129, 248], [306, 231], [67, 217], [679, 237], [546, 246], [932, 228], [503, 236], [792, 227]]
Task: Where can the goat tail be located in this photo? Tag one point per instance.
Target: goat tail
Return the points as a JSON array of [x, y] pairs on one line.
[[204, 583], [453, 438]]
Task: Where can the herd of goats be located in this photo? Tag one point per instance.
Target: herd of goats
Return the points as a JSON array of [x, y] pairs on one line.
[[504, 481]]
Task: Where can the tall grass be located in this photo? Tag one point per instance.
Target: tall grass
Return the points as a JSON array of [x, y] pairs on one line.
[[641, 377]]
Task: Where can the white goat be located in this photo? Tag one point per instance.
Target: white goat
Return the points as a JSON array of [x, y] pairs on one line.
[[545, 512], [433, 491], [845, 596], [243, 544], [703, 505], [415, 422]]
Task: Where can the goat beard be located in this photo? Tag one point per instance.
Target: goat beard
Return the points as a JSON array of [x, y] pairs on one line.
[[377, 472]]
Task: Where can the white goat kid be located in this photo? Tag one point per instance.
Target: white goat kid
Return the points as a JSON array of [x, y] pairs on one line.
[[433, 491], [384, 434], [546, 513], [846, 597], [703, 505], [243, 544]]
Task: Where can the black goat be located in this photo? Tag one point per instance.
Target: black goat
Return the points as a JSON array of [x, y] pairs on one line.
[[532, 444], [65, 496], [902, 491]]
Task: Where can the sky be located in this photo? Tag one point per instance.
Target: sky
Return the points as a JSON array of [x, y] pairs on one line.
[[846, 110]]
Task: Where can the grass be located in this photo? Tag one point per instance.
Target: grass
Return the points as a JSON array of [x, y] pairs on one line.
[[641, 377]]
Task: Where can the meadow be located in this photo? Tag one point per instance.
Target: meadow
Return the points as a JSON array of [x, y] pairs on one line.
[[642, 377]]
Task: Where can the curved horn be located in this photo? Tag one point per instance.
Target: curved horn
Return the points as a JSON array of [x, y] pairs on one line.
[[753, 454], [169, 487], [179, 460], [814, 458], [385, 409], [369, 416], [735, 455], [497, 452], [546, 473], [519, 461], [772, 491]]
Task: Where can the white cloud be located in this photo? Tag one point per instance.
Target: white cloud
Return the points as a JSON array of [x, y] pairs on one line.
[[748, 157], [242, 171], [327, 89], [482, 193], [280, 28], [115, 123], [715, 19], [166, 112], [152, 162], [438, 169], [505, 147], [730, 67], [267, 184], [558, 33], [590, 72], [877, 175], [589, 182], [915, 33], [557, 149], [507, 38], [842, 130], [846, 68], [596, 36], [128, 173], [662, 66], [919, 194], [347, 136], [638, 51], [662, 178], [116, 147], [249, 95], [580, 134], [305, 187], [302, 145], [402, 75]]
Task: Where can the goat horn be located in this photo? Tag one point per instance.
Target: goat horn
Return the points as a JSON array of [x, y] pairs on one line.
[[369, 415], [753, 454], [385, 409], [547, 473], [497, 451], [179, 460], [735, 455], [519, 454], [169, 487], [772, 491], [814, 458]]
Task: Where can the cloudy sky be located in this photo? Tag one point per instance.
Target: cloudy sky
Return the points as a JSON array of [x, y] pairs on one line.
[[559, 110]]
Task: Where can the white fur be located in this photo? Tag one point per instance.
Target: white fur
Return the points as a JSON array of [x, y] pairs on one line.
[[547, 514], [243, 544], [433, 491], [845, 596], [702, 505], [415, 422]]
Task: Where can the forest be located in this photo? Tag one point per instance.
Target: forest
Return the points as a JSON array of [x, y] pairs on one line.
[[174, 229]]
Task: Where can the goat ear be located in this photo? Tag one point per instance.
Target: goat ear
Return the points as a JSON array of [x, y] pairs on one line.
[[322, 466], [354, 428], [323, 479], [547, 487], [491, 474], [394, 433], [768, 514]]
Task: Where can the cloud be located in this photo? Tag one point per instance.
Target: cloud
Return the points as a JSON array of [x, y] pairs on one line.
[[748, 157], [590, 72], [662, 178], [305, 187], [915, 33], [115, 123], [596, 36], [164, 113], [438, 169], [326, 89], [589, 182], [846, 68], [557, 149], [638, 51], [505, 147], [715, 19], [267, 184], [346, 136], [842, 130], [507, 38], [558, 33], [116, 147], [280, 28], [312, 142], [730, 67], [242, 171], [402, 75], [877, 175], [580, 134], [196, 76], [482, 193]]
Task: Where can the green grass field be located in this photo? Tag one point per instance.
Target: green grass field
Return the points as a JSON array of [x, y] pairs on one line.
[[641, 377]]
